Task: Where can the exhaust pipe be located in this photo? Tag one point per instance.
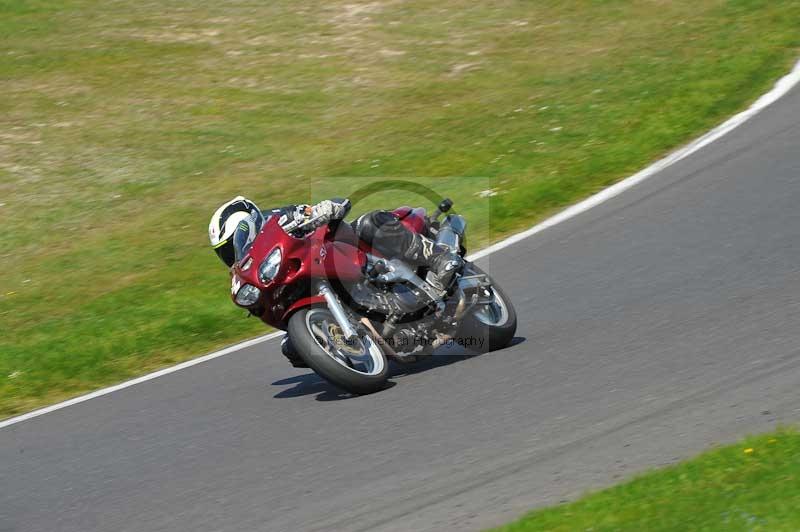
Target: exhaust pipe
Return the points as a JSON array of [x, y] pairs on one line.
[[336, 309]]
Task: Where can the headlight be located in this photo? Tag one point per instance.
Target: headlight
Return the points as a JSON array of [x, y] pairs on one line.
[[269, 268], [247, 296]]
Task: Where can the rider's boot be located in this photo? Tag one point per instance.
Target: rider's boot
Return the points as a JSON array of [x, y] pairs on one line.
[[288, 351], [441, 262]]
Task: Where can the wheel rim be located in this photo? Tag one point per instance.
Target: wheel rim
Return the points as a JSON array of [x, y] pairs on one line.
[[495, 313], [360, 355]]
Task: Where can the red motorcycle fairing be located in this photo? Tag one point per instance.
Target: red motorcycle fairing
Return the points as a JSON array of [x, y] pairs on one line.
[[323, 254]]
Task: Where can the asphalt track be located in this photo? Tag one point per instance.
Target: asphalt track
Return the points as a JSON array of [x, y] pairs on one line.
[[651, 327]]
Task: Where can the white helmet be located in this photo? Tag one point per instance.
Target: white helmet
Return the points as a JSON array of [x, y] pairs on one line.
[[229, 217]]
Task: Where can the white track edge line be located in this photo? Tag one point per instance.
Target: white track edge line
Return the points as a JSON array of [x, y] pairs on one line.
[[143, 378], [782, 86]]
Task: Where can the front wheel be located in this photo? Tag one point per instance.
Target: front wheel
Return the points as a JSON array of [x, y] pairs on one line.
[[491, 326], [358, 366]]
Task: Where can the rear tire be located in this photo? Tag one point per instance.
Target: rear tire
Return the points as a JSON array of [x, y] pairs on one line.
[[308, 335], [488, 329]]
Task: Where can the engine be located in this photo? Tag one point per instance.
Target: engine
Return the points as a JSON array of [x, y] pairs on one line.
[[397, 301]]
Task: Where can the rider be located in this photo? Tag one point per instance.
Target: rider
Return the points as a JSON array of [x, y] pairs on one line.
[[236, 223]]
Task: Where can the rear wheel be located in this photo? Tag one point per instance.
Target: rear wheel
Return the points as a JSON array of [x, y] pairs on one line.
[[490, 326], [358, 365]]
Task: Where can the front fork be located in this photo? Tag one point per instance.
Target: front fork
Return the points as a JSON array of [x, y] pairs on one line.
[[337, 310]]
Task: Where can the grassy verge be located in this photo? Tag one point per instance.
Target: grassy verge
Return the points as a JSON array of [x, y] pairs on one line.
[[752, 485], [124, 124]]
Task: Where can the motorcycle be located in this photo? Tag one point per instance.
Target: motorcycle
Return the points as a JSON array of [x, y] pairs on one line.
[[347, 309]]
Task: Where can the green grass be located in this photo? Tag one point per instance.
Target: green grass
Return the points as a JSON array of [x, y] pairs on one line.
[[124, 124], [753, 485]]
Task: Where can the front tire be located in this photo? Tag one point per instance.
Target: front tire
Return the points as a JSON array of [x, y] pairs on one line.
[[358, 366], [488, 327]]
